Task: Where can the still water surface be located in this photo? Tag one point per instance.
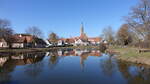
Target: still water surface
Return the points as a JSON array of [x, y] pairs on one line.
[[69, 67]]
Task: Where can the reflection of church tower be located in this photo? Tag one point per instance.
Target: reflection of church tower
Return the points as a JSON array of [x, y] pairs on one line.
[[82, 63]]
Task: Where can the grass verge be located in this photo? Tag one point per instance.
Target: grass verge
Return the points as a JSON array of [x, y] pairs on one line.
[[132, 55]]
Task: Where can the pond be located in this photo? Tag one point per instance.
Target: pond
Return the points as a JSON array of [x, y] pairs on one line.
[[69, 67]]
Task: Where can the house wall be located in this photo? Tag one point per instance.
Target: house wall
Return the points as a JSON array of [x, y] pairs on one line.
[[18, 45], [40, 46], [80, 42], [3, 45], [60, 43], [94, 43]]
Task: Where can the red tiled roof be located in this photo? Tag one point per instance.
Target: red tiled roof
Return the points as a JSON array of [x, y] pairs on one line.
[[72, 40], [68, 40], [63, 39], [20, 38], [95, 39]]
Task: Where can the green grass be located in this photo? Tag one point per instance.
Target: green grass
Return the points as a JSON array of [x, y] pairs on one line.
[[131, 53]]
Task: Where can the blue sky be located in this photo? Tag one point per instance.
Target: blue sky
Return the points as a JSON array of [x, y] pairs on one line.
[[65, 16]]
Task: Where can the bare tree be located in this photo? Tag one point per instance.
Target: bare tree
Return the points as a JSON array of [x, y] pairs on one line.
[[6, 31], [35, 31], [108, 34], [139, 19]]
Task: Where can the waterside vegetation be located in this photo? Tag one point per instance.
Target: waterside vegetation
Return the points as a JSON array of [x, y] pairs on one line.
[[131, 54]]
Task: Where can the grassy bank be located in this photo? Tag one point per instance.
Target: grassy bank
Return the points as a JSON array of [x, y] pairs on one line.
[[131, 54], [46, 49]]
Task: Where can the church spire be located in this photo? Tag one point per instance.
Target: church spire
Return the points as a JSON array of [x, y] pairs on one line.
[[82, 29], [82, 33]]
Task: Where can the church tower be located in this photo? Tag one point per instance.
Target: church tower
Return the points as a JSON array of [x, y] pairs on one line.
[[82, 29], [83, 35]]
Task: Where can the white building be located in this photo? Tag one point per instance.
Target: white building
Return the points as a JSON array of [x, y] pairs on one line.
[[80, 42], [3, 43], [60, 43]]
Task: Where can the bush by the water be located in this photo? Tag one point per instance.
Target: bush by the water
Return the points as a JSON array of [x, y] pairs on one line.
[[103, 47]]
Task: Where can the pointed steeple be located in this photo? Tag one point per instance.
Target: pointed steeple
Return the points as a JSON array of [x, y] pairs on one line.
[[82, 29], [82, 33]]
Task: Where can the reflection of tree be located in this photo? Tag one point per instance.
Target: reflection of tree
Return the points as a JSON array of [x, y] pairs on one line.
[[35, 68], [83, 57], [107, 66], [143, 76], [123, 67], [54, 58], [5, 70], [35, 57]]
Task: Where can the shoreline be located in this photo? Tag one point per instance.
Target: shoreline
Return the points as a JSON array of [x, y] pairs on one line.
[[135, 60], [45, 49], [132, 55]]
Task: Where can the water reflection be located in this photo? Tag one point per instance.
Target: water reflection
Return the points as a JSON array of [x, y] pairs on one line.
[[56, 55], [135, 74], [69, 66], [8, 64], [108, 65]]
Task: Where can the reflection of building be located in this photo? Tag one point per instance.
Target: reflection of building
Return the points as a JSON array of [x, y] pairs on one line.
[[75, 53], [60, 53], [56, 55], [84, 54], [3, 60], [8, 64], [22, 59]]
